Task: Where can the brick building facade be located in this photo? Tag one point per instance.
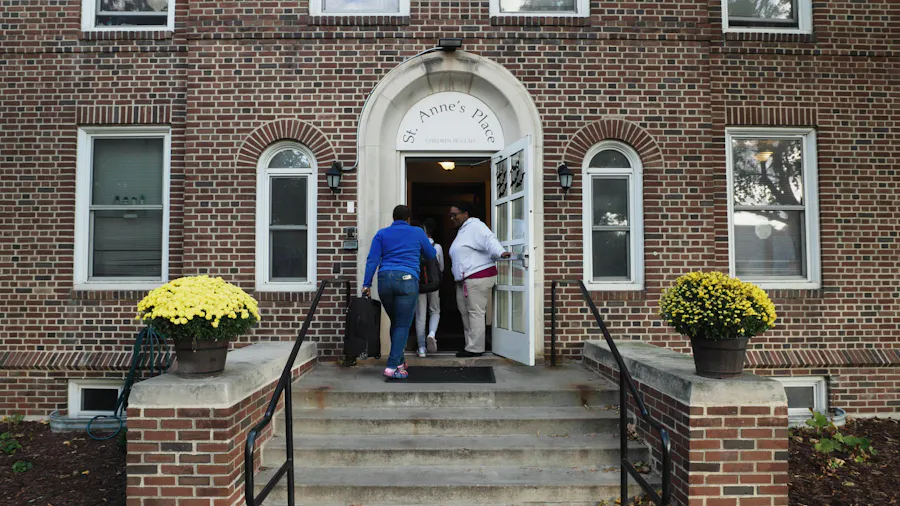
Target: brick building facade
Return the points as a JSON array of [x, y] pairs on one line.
[[677, 99]]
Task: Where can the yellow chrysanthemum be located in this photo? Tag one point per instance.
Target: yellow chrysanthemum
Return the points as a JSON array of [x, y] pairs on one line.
[[716, 306]]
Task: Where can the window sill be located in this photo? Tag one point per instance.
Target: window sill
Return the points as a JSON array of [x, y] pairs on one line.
[[128, 34], [613, 287], [119, 287], [755, 35], [359, 20], [286, 288], [540, 20]]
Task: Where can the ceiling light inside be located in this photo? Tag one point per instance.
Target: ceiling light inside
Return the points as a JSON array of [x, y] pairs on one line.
[[447, 165]]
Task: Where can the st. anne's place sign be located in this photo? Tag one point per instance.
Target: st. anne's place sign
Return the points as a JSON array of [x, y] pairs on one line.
[[450, 121]]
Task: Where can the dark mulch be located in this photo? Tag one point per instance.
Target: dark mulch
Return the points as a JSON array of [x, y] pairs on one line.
[[69, 469], [816, 483]]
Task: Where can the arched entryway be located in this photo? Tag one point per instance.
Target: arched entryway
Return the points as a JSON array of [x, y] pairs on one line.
[[381, 177]]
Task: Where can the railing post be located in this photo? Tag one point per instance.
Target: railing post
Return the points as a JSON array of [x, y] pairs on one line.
[[553, 323], [623, 434], [289, 440]]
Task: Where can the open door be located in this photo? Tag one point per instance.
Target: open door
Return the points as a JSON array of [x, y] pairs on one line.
[[512, 335]]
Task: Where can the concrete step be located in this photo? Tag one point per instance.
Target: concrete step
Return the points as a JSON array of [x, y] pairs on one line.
[[455, 421], [451, 485], [600, 399], [522, 450], [516, 386]]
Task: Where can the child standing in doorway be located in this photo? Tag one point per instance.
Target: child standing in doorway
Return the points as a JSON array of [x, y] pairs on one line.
[[429, 303]]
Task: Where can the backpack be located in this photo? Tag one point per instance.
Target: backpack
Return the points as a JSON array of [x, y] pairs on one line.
[[429, 275]]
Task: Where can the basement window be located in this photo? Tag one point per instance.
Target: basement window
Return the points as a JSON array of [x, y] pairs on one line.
[[89, 398], [132, 15], [804, 394]]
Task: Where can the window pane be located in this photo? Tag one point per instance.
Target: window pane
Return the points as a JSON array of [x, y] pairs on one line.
[[610, 203], [537, 5], [132, 13], [127, 168], [800, 397], [517, 172], [127, 243], [763, 11], [289, 258], [290, 159], [133, 6], [769, 243], [611, 254], [517, 267], [767, 171], [518, 311], [609, 159], [502, 309], [98, 399], [361, 5], [289, 201], [518, 218], [503, 221]]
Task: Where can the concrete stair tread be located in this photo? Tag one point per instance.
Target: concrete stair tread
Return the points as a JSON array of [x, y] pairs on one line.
[[443, 476], [328, 378], [527, 413], [474, 443]]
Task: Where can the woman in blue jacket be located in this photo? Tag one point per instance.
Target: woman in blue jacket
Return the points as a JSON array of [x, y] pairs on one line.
[[396, 253]]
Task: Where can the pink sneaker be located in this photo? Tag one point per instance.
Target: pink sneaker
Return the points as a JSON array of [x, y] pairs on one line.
[[398, 373]]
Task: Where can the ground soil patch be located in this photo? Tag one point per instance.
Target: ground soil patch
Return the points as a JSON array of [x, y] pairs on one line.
[[814, 483], [68, 469]]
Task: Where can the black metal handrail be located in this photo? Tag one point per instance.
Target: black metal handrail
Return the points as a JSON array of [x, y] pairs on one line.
[[283, 387], [625, 380]]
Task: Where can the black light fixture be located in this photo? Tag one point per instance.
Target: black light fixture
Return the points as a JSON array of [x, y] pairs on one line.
[[333, 176], [565, 177], [449, 44]]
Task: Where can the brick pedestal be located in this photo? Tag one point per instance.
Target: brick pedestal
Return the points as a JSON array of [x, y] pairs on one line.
[[186, 436], [729, 437]]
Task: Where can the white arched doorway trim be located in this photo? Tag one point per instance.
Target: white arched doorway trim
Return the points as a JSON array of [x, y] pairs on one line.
[[380, 179]]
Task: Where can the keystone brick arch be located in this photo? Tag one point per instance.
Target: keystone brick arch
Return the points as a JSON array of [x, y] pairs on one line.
[[619, 129], [286, 129]]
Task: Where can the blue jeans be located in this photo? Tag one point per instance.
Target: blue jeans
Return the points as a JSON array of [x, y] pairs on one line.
[[399, 297]]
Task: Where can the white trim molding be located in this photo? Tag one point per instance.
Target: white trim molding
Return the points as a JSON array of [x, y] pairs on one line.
[[263, 215], [317, 8], [582, 10], [83, 187], [635, 178], [804, 21], [810, 205], [89, 20], [76, 388]]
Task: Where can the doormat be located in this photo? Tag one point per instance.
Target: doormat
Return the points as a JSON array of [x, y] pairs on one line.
[[428, 374]]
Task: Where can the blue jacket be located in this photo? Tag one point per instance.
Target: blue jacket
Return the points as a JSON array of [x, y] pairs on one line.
[[398, 248]]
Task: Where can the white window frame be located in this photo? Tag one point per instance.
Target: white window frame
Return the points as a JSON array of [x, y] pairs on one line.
[[635, 177], [820, 396], [810, 170], [317, 8], [89, 20], [84, 172], [804, 21], [263, 209], [582, 10], [75, 389]]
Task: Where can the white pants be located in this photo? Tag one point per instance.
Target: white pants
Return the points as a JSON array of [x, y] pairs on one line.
[[472, 298], [429, 303]]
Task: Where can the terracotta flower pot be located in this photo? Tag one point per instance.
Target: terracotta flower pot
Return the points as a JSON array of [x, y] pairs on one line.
[[720, 359], [199, 359]]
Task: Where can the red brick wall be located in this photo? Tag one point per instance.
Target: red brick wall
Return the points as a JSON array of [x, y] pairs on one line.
[[195, 456], [230, 68], [726, 455]]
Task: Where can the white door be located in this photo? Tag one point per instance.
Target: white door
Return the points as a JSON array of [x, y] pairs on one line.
[[512, 335]]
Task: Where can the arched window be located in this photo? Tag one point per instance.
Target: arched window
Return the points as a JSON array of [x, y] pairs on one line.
[[286, 219], [613, 218]]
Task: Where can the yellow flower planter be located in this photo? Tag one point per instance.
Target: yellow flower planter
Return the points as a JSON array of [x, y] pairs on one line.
[[201, 315]]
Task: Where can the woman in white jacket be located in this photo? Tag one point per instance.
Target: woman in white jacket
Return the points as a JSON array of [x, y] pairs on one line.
[[429, 307], [473, 254]]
